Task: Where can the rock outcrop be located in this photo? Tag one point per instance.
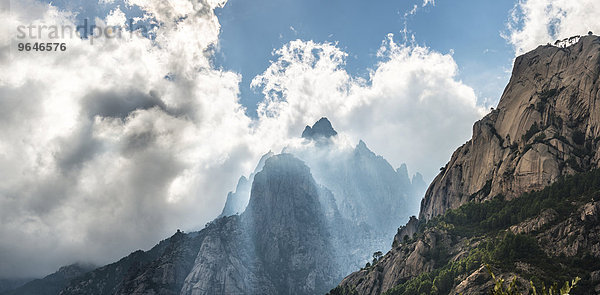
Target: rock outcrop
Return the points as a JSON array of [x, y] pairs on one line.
[[322, 129], [547, 124], [279, 245], [406, 232]]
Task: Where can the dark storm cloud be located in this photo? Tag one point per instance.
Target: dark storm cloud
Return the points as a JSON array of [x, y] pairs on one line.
[[76, 149], [81, 145], [119, 104], [18, 103]]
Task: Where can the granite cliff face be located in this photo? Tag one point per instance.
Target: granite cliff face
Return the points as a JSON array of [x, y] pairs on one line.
[[547, 124]]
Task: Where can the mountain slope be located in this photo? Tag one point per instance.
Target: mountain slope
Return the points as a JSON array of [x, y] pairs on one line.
[[11, 284], [279, 245], [53, 283], [479, 209], [365, 198], [111, 278], [548, 236]]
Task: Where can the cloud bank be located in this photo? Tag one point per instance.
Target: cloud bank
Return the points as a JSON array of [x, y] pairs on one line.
[[537, 22], [110, 147], [411, 109]]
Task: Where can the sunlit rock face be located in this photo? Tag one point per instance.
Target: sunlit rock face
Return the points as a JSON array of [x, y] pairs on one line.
[[546, 125]]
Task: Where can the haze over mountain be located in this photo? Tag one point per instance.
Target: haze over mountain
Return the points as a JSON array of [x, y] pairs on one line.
[[300, 222]]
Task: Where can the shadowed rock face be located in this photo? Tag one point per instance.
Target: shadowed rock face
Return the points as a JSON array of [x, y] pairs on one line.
[[290, 237], [279, 245], [547, 124], [237, 201], [53, 283]]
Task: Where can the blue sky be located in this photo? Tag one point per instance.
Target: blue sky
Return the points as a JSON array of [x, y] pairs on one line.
[[251, 30], [471, 29]]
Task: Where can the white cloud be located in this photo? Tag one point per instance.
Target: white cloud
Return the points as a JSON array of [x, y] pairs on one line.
[[111, 146], [411, 110], [100, 154], [537, 22], [116, 18]]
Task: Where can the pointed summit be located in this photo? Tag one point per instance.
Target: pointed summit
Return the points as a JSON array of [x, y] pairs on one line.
[[237, 201], [321, 129]]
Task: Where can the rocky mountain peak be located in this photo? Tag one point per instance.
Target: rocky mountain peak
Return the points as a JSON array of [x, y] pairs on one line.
[[237, 201], [546, 125], [402, 171], [289, 228], [74, 270], [321, 129]]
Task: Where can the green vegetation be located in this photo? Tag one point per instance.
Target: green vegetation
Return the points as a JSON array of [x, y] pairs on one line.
[[486, 224], [339, 290], [479, 218], [511, 289], [377, 256], [501, 250]]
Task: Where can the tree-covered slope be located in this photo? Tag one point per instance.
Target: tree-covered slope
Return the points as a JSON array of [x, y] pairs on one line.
[[552, 235]]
